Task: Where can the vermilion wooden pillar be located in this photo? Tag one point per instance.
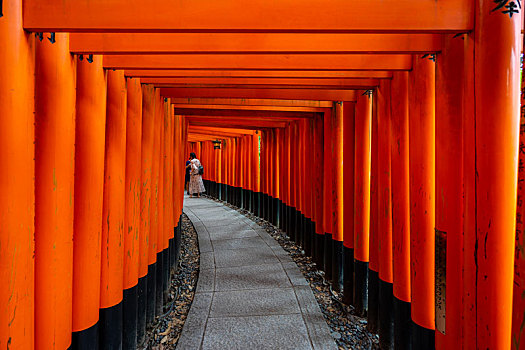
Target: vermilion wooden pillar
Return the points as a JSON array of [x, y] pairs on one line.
[[17, 188], [422, 199], [310, 163], [179, 171], [264, 173], [337, 248], [318, 190], [281, 177], [449, 190], [327, 195], [161, 282], [300, 183], [518, 306], [153, 210], [148, 118], [257, 173], [294, 166], [373, 265], [54, 192], [277, 174], [296, 223], [363, 125], [495, 91], [113, 212], [132, 213], [399, 149], [384, 227], [90, 134], [348, 199], [170, 223]]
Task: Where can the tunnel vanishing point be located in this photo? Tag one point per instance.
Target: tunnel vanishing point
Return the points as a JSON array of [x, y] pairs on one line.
[[386, 137]]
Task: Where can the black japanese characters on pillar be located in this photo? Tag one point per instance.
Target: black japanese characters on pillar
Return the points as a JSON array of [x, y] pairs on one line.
[[507, 7]]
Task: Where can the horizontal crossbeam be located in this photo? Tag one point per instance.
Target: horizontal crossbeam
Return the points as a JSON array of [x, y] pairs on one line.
[[251, 16], [244, 43], [261, 62], [283, 94]]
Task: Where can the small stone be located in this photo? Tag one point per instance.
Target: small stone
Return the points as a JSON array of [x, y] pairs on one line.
[[336, 335]]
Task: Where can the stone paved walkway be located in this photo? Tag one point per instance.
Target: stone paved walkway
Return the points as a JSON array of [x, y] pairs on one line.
[[250, 294]]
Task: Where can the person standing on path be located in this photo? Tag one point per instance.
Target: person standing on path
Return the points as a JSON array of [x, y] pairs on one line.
[[196, 184]]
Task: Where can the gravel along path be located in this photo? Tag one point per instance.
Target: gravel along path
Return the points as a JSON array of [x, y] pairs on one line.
[[164, 333]]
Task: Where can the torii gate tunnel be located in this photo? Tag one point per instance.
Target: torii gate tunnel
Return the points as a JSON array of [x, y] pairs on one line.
[[383, 136]]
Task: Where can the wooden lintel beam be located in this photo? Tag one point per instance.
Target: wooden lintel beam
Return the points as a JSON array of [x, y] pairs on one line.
[[254, 107], [198, 82], [248, 16], [248, 102], [227, 129], [250, 43], [299, 74], [229, 119], [262, 62], [282, 94], [241, 113]]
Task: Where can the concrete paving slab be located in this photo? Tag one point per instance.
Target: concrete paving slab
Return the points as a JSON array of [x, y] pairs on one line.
[[294, 274], [251, 277], [317, 327], [245, 257], [256, 332], [254, 302], [207, 260], [206, 281], [217, 234], [251, 242], [193, 330]]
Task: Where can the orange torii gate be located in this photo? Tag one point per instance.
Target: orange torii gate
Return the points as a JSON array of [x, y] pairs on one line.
[[402, 157]]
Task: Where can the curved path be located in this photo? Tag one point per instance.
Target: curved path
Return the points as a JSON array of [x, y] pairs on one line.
[[250, 294]]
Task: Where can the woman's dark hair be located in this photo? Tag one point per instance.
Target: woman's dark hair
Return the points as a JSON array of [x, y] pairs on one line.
[[193, 155]]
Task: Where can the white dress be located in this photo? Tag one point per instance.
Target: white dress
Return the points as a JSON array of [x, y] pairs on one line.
[[196, 184]]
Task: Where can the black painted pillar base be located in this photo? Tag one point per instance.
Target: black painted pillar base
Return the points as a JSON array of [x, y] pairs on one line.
[[290, 230], [337, 265], [178, 242], [110, 336], [141, 308], [297, 228], [327, 261], [283, 217], [348, 276], [151, 287], [172, 252], [222, 192], [373, 300], [263, 210], [129, 317], [313, 240], [282, 214], [319, 250], [361, 287], [402, 324], [159, 290], [386, 315], [86, 339], [269, 208], [277, 205], [253, 201], [307, 232], [422, 338]]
